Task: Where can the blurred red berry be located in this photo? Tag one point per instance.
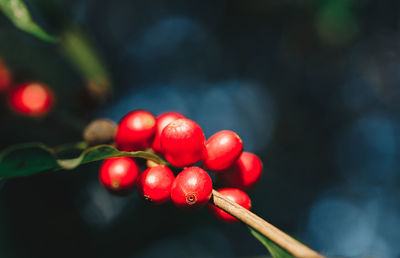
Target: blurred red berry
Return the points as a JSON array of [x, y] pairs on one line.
[[5, 77], [244, 174], [191, 189], [222, 150], [182, 142], [32, 99], [119, 175], [135, 131], [154, 184], [235, 195], [162, 121]]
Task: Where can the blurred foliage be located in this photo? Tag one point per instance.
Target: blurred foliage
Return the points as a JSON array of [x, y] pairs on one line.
[[337, 24], [83, 56], [75, 45], [18, 13]]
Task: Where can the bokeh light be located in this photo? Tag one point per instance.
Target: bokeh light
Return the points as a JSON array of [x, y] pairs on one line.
[[367, 150], [5, 77], [353, 221], [31, 99], [241, 106], [98, 208]]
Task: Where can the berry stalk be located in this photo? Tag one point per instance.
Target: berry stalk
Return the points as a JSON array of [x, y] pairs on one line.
[[277, 236]]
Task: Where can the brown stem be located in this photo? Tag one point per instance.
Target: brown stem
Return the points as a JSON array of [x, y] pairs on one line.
[[269, 231], [277, 236]]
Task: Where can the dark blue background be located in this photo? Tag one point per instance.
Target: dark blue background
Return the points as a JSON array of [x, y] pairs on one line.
[[312, 87]]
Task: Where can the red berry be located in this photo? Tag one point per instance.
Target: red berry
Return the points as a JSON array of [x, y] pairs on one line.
[[234, 195], [154, 184], [5, 77], [244, 174], [32, 99], [191, 189], [119, 174], [135, 131], [162, 121], [182, 142], [222, 150]]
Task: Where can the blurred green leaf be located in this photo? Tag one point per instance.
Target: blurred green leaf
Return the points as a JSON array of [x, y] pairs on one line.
[[18, 13], [273, 249], [31, 158], [26, 159], [336, 23], [82, 54]]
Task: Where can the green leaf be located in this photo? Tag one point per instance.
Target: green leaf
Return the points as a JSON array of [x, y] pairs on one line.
[[101, 152], [30, 158], [69, 150], [274, 250], [26, 159], [70, 147], [84, 57], [18, 13]]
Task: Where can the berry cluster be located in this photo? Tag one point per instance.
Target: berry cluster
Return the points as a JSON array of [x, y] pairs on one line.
[[181, 141]]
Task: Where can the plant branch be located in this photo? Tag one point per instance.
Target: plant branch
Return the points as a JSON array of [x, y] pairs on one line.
[[277, 236]]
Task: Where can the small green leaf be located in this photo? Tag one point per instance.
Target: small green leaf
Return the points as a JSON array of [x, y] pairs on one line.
[[31, 158], [26, 159], [101, 152], [69, 150], [70, 147], [274, 250], [18, 13]]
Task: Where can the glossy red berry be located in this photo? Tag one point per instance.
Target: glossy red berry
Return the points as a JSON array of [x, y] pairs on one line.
[[244, 174], [191, 189], [135, 131], [154, 184], [33, 99], [234, 195], [222, 150], [162, 121], [119, 175], [5, 77], [182, 142]]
